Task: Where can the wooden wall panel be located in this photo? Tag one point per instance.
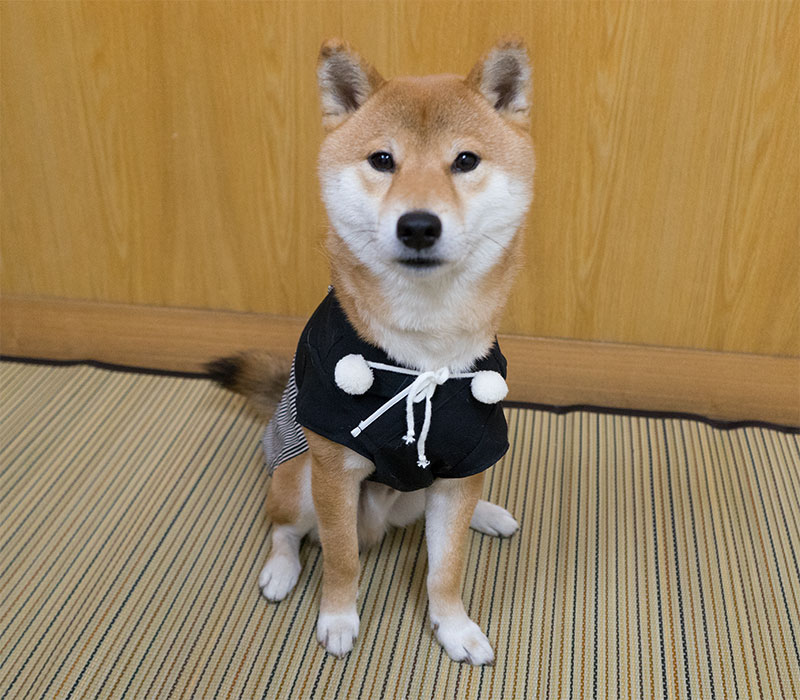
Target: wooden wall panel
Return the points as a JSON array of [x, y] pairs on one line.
[[163, 153], [720, 385]]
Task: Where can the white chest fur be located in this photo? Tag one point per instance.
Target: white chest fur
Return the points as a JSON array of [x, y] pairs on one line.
[[431, 326]]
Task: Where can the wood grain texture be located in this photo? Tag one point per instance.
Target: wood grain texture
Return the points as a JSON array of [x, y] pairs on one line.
[[727, 386], [163, 153]]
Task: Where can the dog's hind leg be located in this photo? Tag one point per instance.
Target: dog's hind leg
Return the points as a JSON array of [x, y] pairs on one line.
[[407, 508], [374, 507], [491, 519], [488, 518], [291, 510], [280, 573]]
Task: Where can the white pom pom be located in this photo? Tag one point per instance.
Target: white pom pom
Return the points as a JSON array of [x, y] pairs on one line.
[[353, 374], [489, 387]]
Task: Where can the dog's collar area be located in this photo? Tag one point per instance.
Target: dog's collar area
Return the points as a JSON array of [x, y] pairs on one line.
[[353, 374]]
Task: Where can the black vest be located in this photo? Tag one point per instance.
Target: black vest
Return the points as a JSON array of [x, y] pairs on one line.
[[465, 437]]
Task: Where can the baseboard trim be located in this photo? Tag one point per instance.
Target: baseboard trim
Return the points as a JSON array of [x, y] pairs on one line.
[[718, 385]]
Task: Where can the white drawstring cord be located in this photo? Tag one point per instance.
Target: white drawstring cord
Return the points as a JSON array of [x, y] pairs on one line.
[[421, 389]]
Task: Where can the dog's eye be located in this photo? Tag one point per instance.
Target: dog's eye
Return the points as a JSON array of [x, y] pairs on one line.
[[465, 161], [383, 161]]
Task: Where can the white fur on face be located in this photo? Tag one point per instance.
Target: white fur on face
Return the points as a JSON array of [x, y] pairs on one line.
[[492, 217], [476, 229], [352, 214]]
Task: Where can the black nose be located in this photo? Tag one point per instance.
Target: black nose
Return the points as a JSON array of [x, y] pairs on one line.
[[419, 229]]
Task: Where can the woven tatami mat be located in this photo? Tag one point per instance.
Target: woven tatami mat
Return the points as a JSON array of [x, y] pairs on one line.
[[657, 558]]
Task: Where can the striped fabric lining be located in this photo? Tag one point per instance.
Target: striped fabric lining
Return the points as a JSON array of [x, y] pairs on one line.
[[283, 437], [657, 558]]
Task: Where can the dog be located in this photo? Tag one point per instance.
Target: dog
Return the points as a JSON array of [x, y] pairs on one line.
[[426, 182]]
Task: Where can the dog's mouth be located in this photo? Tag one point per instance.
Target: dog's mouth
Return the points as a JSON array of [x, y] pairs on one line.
[[420, 263]]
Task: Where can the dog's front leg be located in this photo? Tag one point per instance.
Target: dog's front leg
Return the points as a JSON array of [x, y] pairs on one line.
[[448, 510], [335, 486]]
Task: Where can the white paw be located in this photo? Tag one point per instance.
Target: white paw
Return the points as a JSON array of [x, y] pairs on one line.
[[337, 631], [491, 519], [279, 577], [463, 640]]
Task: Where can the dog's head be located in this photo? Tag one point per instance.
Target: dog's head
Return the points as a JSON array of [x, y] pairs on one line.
[[421, 176]]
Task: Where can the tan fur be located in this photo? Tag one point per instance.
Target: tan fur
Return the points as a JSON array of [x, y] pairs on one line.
[[335, 49], [424, 113], [335, 491], [283, 497], [487, 75]]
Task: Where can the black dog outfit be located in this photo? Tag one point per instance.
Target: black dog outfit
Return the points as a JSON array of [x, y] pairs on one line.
[[461, 435]]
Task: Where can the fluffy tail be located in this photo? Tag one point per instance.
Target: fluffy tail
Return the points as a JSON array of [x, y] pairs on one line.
[[258, 375]]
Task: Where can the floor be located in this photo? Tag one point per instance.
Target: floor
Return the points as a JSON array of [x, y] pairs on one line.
[[658, 557]]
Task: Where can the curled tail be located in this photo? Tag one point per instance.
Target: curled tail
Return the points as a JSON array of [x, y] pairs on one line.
[[256, 374]]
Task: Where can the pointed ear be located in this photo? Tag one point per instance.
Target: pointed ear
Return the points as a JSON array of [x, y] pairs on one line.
[[345, 81], [503, 77]]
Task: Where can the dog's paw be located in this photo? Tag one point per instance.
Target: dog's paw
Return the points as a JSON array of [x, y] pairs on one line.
[[278, 577], [337, 631], [463, 640], [491, 519]]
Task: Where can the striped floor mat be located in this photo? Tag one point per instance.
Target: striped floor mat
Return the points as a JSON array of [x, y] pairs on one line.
[[658, 558]]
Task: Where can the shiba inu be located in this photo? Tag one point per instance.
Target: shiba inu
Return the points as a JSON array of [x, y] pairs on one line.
[[389, 413]]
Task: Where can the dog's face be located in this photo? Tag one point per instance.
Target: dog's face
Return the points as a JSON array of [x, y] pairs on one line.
[[424, 177]]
